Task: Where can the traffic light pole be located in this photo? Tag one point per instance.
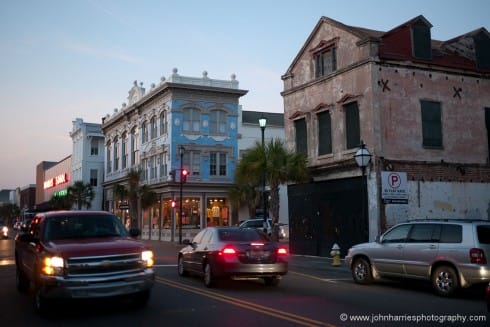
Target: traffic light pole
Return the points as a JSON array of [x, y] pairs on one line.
[[181, 149]]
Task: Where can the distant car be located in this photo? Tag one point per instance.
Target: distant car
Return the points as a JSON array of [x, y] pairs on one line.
[[233, 252], [82, 255], [4, 231], [257, 223], [449, 253]]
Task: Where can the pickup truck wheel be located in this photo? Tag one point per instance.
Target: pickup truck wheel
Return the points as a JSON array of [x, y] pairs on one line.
[[21, 281], [142, 298], [42, 304]]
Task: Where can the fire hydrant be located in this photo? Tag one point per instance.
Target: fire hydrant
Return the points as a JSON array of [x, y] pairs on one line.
[[335, 253]]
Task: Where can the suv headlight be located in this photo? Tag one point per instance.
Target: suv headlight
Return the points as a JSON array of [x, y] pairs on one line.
[[147, 257], [53, 266]]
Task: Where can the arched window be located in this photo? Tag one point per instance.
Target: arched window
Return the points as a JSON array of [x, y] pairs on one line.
[[192, 120], [163, 123], [144, 132], [116, 155], [108, 157], [153, 128], [124, 151], [134, 147], [217, 122]]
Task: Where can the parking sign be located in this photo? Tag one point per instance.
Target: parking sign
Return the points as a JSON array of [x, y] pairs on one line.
[[394, 187]]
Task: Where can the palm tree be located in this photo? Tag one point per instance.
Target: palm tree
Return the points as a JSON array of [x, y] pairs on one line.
[[81, 194], [60, 202], [277, 166], [133, 177], [244, 193], [148, 197]]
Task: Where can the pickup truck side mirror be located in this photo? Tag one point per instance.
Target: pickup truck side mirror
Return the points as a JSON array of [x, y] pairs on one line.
[[134, 232], [25, 237]]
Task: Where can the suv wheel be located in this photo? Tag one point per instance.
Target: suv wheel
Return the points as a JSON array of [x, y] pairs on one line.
[[361, 271], [445, 280]]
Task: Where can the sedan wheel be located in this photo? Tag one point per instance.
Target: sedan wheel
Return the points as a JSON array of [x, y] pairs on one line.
[[445, 281], [180, 267], [361, 271], [272, 281], [208, 275]]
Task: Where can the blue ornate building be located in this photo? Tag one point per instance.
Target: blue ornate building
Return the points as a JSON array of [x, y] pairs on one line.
[[183, 122]]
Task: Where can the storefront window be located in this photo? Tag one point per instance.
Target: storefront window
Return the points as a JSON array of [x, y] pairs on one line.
[[191, 213], [217, 212], [167, 214]]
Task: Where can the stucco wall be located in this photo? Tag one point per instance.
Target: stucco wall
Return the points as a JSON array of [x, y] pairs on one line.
[[442, 200]]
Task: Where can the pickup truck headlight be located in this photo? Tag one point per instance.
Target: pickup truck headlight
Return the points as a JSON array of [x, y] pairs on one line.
[[53, 266], [147, 257]]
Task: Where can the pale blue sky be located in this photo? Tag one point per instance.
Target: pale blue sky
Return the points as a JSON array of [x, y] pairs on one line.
[[61, 60]]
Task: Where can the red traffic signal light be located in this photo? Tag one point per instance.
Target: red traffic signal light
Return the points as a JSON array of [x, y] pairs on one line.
[[183, 175]]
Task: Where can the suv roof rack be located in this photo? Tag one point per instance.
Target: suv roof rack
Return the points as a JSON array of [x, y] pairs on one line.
[[448, 219]]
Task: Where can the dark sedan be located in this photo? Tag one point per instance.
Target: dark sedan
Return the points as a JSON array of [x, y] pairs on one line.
[[233, 252]]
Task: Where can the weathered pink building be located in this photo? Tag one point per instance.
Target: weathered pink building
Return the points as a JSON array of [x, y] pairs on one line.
[[421, 106]]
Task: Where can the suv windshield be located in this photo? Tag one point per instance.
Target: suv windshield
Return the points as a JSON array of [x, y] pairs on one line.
[[67, 227]]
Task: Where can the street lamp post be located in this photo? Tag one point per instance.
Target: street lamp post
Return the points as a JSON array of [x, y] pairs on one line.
[[363, 158], [181, 151], [262, 124]]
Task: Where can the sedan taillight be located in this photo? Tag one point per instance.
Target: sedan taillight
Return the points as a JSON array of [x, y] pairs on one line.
[[227, 250], [478, 256], [282, 251]]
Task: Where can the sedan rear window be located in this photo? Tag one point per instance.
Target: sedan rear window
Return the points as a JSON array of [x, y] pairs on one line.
[[241, 235]]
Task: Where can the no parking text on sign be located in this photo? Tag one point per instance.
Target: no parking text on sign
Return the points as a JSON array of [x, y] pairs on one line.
[[394, 187]]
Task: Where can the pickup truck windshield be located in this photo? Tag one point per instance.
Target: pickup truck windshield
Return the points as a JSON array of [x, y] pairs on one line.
[[58, 228]]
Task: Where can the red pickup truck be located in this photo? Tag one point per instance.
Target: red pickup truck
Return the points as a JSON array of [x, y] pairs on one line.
[[80, 255]]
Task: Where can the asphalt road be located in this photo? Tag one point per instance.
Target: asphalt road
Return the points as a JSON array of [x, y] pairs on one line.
[[314, 293]]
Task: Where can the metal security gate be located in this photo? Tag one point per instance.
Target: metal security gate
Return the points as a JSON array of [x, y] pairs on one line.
[[324, 213]]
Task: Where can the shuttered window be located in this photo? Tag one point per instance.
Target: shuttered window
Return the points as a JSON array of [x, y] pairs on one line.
[[431, 124], [352, 126], [324, 133], [301, 138]]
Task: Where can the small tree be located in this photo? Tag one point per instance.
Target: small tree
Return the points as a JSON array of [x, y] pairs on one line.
[[81, 195], [60, 202], [277, 166]]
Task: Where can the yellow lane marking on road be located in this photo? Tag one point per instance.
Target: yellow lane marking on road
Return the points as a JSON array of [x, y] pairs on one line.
[[300, 320]]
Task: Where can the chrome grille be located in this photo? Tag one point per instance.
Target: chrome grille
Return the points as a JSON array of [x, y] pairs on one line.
[[103, 265]]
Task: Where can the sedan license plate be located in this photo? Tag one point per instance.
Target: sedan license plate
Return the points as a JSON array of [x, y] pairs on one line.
[[258, 254]]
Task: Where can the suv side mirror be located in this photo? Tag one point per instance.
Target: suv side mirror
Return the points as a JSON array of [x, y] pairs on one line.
[[378, 239]]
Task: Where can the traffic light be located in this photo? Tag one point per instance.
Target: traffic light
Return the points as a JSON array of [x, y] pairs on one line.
[[183, 175], [173, 204]]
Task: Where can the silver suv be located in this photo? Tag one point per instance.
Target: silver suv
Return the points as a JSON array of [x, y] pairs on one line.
[[449, 253]]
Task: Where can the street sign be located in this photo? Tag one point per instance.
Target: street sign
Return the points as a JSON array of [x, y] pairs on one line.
[[124, 206], [394, 187]]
